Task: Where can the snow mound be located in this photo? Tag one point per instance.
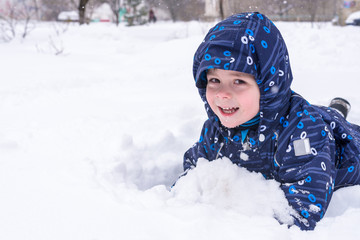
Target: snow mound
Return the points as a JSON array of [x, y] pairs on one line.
[[143, 166], [225, 185]]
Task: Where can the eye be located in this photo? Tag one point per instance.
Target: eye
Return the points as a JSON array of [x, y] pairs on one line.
[[239, 81], [213, 80]]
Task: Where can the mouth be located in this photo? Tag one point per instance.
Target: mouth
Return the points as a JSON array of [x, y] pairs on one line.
[[228, 111]]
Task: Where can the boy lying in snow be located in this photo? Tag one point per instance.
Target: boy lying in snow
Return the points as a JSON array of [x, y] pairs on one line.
[[243, 75]]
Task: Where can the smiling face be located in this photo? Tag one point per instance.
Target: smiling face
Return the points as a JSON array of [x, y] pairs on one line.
[[233, 96]]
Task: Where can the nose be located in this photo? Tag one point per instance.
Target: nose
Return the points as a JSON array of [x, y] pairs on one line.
[[224, 93]]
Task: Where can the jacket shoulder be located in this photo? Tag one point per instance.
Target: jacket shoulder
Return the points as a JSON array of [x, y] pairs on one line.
[[304, 133]]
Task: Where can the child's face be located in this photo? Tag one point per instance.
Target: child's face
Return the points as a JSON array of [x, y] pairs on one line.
[[233, 96]]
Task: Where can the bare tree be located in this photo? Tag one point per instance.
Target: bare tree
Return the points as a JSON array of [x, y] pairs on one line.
[[230, 7], [184, 10], [36, 8], [50, 9], [55, 44], [172, 6], [309, 10], [26, 16], [16, 14], [317, 9], [84, 7], [82, 10], [115, 8], [310, 6], [281, 8], [8, 22], [221, 9]]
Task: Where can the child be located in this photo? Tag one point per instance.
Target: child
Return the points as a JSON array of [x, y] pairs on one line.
[[243, 75]]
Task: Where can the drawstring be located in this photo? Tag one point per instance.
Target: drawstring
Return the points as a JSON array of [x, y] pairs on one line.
[[221, 146]]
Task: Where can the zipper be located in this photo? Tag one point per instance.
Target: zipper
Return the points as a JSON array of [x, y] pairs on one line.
[[276, 145]]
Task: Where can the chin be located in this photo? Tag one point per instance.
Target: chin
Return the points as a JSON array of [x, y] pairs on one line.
[[230, 125]]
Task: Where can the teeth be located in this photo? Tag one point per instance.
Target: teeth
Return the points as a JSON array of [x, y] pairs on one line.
[[229, 110]]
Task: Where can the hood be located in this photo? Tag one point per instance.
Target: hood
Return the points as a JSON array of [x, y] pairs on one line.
[[250, 43]]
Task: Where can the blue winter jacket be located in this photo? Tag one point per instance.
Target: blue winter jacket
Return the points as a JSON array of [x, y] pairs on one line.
[[310, 150]]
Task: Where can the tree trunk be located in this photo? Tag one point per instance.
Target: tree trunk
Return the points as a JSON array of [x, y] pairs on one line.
[[117, 19], [37, 12], [82, 8], [172, 12], [221, 9]]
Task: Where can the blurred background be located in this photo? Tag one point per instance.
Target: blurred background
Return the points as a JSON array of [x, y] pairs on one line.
[[137, 12]]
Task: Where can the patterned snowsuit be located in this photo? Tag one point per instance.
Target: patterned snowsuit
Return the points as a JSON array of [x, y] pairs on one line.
[[310, 150]]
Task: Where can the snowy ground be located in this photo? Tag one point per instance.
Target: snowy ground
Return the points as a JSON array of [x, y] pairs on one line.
[[92, 139]]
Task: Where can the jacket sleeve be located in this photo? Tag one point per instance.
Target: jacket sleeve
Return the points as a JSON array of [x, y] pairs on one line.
[[198, 150], [201, 149], [307, 175]]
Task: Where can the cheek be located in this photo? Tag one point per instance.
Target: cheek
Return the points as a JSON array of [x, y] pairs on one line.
[[256, 100], [251, 99], [209, 95]]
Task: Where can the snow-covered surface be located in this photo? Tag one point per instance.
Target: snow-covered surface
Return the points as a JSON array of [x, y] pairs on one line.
[[350, 19], [92, 139], [68, 15], [103, 13]]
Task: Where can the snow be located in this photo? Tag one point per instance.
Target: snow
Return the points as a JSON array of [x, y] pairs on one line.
[[350, 19], [68, 15], [92, 139], [103, 13]]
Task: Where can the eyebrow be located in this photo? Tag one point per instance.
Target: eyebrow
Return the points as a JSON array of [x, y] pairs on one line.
[[232, 73]]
